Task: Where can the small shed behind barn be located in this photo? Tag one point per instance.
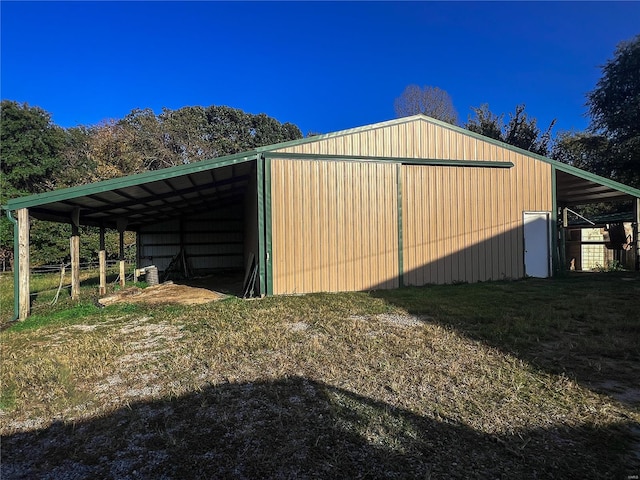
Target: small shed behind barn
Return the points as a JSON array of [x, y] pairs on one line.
[[411, 201]]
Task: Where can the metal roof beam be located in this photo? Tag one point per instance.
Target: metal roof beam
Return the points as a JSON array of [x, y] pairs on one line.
[[173, 193], [577, 198], [204, 208], [177, 205]]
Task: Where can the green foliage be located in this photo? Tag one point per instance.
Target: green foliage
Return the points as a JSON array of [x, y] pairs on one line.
[[614, 105], [6, 234], [78, 313], [610, 266], [31, 144], [430, 101], [582, 150], [78, 162], [50, 243], [520, 131], [29, 157], [8, 398], [191, 134], [486, 123], [611, 147]]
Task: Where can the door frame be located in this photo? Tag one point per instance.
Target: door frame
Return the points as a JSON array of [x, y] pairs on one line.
[[549, 262]]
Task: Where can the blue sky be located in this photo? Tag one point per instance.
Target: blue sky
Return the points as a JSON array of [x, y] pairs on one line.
[[324, 66]]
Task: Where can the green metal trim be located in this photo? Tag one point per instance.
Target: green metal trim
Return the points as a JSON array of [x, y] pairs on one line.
[[554, 163], [634, 192], [128, 181], [261, 246], [399, 160], [400, 227], [16, 267], [555, 256], [268, 224]]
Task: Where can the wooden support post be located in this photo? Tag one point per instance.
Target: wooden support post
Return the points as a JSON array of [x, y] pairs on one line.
[[122, 225], [121, 258], [23, 263], [102, 261], [75, 254]]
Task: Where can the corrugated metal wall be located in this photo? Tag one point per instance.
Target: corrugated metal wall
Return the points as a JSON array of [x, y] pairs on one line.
[[465, 224], [334, 226], [459, 223], [211, 241], [415, 139]]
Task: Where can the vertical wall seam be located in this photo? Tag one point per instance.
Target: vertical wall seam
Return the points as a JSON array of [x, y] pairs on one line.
[[268, 226], [400, 231]]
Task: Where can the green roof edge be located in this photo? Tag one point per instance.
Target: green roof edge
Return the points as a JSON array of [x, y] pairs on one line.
[[555, 163], [127, 181]]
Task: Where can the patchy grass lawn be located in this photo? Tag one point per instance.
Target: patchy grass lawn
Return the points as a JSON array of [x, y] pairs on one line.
[[528, 379]]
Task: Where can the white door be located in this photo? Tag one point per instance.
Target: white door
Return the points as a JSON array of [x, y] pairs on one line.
[[537, 251]]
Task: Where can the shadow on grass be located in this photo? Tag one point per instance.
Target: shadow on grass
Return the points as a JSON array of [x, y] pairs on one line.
[[298, 428], [586, 326]]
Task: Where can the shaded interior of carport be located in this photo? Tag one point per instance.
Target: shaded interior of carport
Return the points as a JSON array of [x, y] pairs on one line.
[[576, 188], [205, 212]]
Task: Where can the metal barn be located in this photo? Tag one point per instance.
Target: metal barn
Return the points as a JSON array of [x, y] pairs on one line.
[[411, 201]]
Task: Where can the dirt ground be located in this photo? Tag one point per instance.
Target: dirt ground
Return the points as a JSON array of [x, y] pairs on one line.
[[167, 292]]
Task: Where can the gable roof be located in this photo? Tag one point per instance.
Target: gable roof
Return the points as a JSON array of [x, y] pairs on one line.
[[575, 186], [161, 194]]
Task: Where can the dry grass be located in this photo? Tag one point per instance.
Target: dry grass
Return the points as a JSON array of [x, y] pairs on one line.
[[466, 381]]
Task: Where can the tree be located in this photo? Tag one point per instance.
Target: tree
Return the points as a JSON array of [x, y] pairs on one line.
[[231, 130], [614, 107], [583, 150], [29, 157], [150, 139], [112, 149], [78, 165], [521, 131], [591, 152], [485, 122], [30, 147], [430, 101], [191, 134]]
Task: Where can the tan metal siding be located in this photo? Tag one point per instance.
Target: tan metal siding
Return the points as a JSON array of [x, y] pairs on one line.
[[416, 139], [459, 223], [465, 224], [334, 226]]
